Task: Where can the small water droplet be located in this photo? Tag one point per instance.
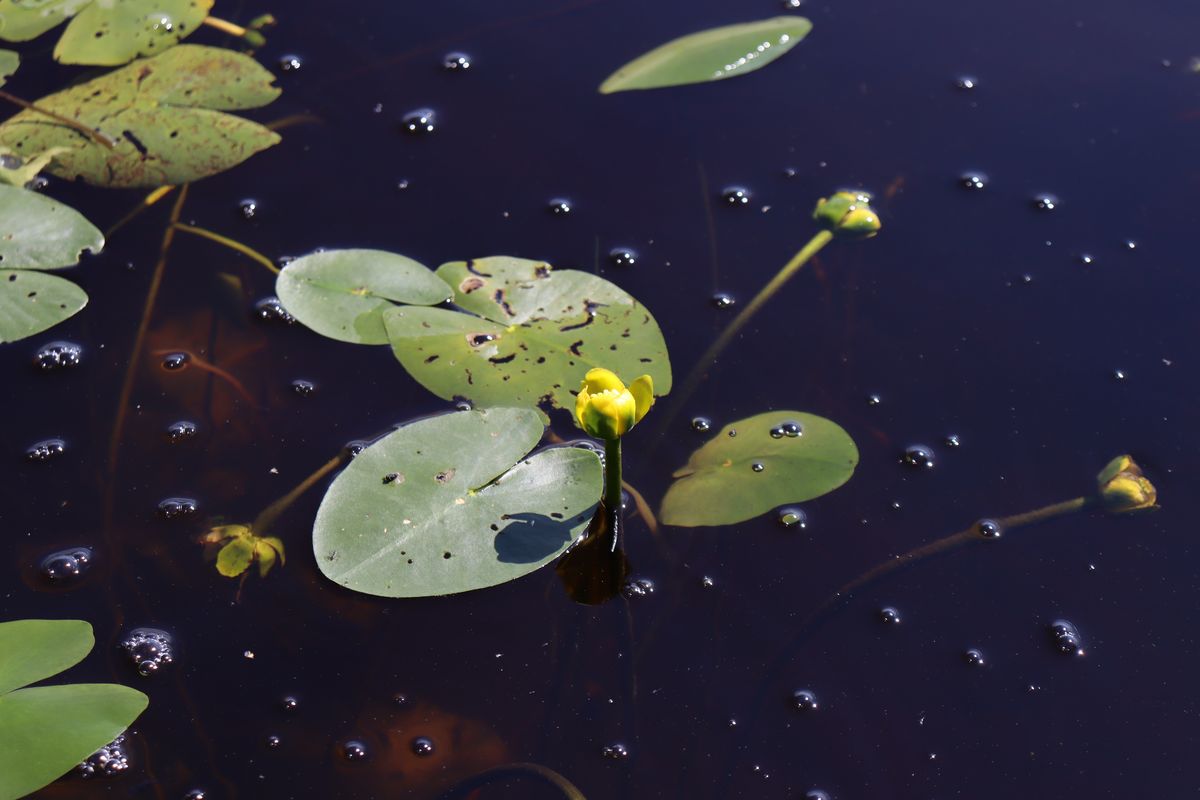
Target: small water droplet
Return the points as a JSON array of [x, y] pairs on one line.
[[354, 750], [701, 424], [989, 529], [456, 62], [269, 309], [1130, 244], [918, 456], [1118, 374], [722, 301], [736, 196], [758, 466], [419, 122], [974, 657], [175, 361], [622, 256], [148, 649], [559, 206], [792, 429], [107, 762], [804, 700], [65, 567], [1066, 638], [58, 355], [181, 431], [304, 388], [45, 450], [965, 82], [422, 746], [731, 433], [776, 432], [1045, 202], [792, 517], [177, 508], [973, 180], [616, 752], [290, 63]]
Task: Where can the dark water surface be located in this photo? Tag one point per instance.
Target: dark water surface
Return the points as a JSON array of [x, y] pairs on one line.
[[971, 314]]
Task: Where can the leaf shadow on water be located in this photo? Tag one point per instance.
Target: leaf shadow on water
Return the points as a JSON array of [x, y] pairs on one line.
[[529, 537]]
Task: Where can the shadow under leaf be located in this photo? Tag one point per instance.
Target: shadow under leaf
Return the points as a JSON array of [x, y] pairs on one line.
[[528, 537]]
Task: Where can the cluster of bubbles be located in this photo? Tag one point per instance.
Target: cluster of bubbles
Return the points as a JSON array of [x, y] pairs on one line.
[[181, 431], [615, 752], [723, 300], [107, 762], [638, 587], [789, 429], [419, 122], [559, 206], [1066, 638], [177, 508], [148, 649], [269, 309], [46, 450], [736, 196], [58, 355], [622, 256], [247, 208], [304, 388], [64, 567]]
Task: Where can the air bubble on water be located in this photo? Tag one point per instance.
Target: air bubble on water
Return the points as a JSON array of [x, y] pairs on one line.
[[64, 567], [354, 750], [790, 172], [45, 450], [918, 456], [289, 703], [776, 432], [973, 180], [422, 746], [559, 206], [269, 309], [1118, 374], [181, 431], [456, 62], [1045, 202], [273, 741], [107, 762], [148, 649], [195, 794], [792, 517], [419, 122], [1086, 259], [354, 447], [722, 301], [615, 752], [736, 196], [177, 508], [1130, 244], [403, 184], [58, 355], [792, 4], [400, 699], [758, 466], [290, 63], [874, 399], [965, 82], [247, 208], [622, 256], [804, 700], [175, 361], [638, 587], [952, 440], [1066, 638], [974, 657], [989, 529], [701, 424], [732, 432], [889, 615], [792, 429], [816, 794], [706, 582], [303, 388], [463, 405]]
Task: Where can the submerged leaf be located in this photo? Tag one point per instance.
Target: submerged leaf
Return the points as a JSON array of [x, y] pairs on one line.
[[9, 61], [756, 464], [710, 55], [31, 302], [39, 233], [452, 503], [164, 115], [235, 557], [342, 294], [18, 171], [526, 334]]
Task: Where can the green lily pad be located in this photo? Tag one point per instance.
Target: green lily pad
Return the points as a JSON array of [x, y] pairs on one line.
[[104, 32], [47, 730], [753, 465], [526, 334], [9, 62], [453, 503], [711, 55], [39, 233], [32, 301], [342, 294], [162, 114]]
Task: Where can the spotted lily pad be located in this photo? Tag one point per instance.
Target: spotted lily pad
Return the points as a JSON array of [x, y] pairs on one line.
[[526, 334], [39, 233], [342, 294], [103, 32], [47, 730], [31, 302], [711, 55], [759, 463], [163, 116], [454, 503]]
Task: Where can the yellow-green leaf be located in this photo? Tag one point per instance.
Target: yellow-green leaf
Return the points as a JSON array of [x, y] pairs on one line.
[[235, 557]]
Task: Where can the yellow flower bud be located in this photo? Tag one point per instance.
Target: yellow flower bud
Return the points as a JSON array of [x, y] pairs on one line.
[[606, 409], [848, 214], [1123, 487]]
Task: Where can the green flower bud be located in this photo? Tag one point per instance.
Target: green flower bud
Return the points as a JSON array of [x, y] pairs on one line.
[[848, 214], [1122, 487]]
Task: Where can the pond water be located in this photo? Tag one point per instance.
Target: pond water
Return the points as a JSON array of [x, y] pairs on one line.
[[974, 315]]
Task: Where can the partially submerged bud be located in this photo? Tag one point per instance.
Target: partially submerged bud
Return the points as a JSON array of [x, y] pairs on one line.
[[848, 214], [607, 409], [1122, 487]]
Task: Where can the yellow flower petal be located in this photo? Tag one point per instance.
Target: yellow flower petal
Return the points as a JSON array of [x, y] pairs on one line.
[[610, 414], [642, 390], [581, 401], [599, 380]]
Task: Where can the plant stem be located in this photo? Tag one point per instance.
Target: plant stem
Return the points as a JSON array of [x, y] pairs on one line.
[[612, 477], [95, 135], [232, 244], [225, 26], [147, 202], [271, 513]]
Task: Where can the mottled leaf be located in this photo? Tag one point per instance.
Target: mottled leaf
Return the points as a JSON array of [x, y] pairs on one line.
[[342, 294], [710, 55], [9, 61], [18, 171], [112, 32], [526, 334], [234, 558], [39, 233], [31, 302], [756, 464], [34, 649], [22, 20], [163, 115], [453, 503]]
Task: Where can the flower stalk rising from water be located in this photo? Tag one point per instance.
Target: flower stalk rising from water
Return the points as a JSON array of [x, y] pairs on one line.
[[608, 409]]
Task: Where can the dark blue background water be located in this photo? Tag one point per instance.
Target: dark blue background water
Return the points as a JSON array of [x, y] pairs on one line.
[[970, 314]]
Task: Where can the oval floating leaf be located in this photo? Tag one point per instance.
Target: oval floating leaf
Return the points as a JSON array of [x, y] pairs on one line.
[[752, 466], [35, 649], [528, 334], [710, 55], [112, 32], [163, 115], [39, 233], [452, 503], [31, 302], [9, 61], [342, 294], [22, 20]]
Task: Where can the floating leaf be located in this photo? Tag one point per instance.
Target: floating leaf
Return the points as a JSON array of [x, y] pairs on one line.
[[710, 55], [18, 171], [47, 730], [39, 233], [164, 115], [342, 294], [452, 503], [235, 557], [526, 334], [9, 61], [31, 302], [756, 464], [103, 32]]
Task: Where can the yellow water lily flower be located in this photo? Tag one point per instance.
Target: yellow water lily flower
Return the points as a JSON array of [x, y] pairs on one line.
[[606, 408], [848, 214]]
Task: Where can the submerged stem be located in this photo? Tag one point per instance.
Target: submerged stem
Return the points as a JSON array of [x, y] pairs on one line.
[[225, 26], [232, 244], [612, 478], [148, 201], [271, 513], [100, 138]]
